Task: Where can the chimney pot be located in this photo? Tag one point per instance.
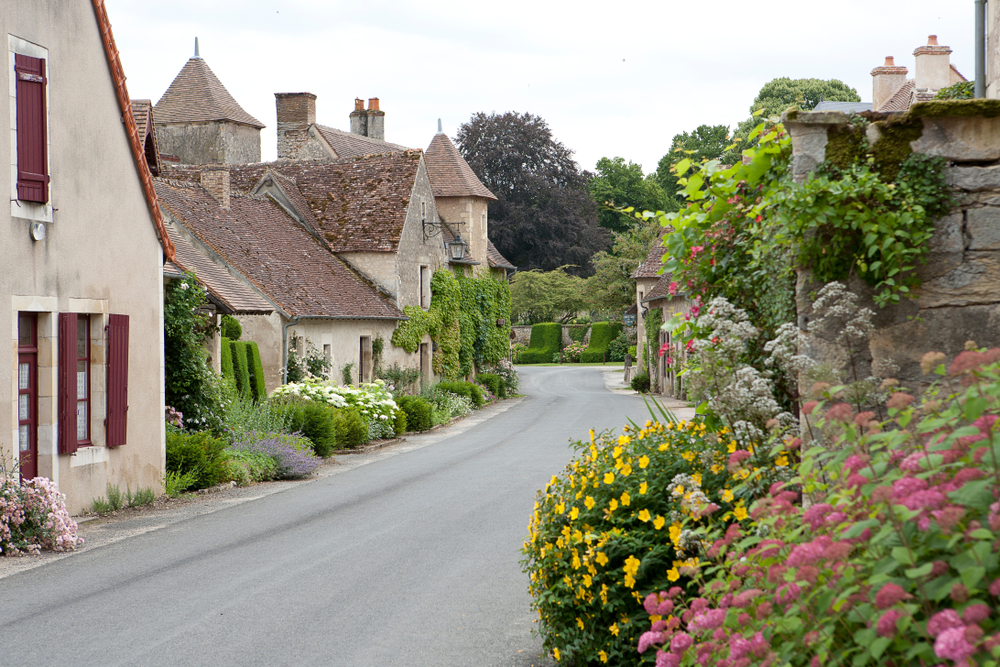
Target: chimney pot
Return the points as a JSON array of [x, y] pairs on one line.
[[889, 62], [359, 104], [373, 104], [932, 40]]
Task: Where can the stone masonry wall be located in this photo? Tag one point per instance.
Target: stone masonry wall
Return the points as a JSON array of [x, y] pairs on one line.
[[959, 299], [209, 143]]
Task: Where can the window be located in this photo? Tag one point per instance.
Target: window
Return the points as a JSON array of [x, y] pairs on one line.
[[328, 358], [27, 393], [365, 360], [425, 284], [32, 133], [74, 382]]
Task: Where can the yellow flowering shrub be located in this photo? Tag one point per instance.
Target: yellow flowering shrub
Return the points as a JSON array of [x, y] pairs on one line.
[[612, 529]]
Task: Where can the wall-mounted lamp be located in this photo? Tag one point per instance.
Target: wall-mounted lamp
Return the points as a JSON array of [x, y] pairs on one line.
[[456, 249]]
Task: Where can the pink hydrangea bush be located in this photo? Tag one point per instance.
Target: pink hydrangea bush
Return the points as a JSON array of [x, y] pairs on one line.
[[33, 517], [891, 557]]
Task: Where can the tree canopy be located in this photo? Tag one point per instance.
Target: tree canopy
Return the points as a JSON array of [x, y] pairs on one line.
[[544, 216], [622, 184], [612, 286], [708, 142], [541, 296], [778, 94]]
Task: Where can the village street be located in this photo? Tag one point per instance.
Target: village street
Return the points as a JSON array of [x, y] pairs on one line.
[[408, 556]]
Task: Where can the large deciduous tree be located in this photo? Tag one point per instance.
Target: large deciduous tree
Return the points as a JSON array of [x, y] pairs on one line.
[[612, 286], [542, 296], [778, 94], [705, 142], [620, 184], [544, 216]]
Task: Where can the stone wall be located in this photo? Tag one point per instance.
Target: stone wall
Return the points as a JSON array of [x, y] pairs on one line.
[[959, 299], [213, 142]]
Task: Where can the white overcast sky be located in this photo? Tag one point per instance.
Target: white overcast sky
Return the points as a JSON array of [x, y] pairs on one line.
[[616, 78]]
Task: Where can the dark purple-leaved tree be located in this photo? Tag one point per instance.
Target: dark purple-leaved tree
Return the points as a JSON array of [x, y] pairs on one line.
[[544, 216]]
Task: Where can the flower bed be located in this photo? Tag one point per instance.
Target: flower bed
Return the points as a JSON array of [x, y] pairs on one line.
[[33, 517], [372, 400]]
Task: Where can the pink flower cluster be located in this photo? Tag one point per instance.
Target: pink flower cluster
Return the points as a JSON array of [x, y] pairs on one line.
[[33, 517]]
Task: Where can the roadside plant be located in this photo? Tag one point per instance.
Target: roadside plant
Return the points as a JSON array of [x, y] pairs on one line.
[[292, 455], [882, 551], [446, 405], [33, 516], [398, 380], [372, 401], [573, 351]]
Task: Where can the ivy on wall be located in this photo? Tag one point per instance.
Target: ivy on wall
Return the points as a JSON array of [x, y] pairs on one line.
[[462, 320], [654, 319]]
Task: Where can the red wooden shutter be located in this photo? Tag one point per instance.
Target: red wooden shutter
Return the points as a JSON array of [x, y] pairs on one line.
[[67, 383], [32, 149], [117, 419]]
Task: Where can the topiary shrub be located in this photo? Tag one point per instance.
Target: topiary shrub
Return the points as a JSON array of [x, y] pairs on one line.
[[240, 368], [494, 382], [226, 359], [419, 413], [399, 423], [546, 340], [352, 431], [640, 383], [316, 421], [231, 327], [198, 453], [256, 369], [468, 389], [601, 335]]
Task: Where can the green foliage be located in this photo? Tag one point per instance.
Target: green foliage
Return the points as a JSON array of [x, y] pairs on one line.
[[484, 303], [247, 467], [570, 353], [617, 185], [399, 379], [117, 500], [399, 423], [652, 324], [244, 415], [446, 405], [256, 370], [226, 360], [779, 94], [618, 347], [241, 368], [546, 340], [577, 332], [175, 483], [199, 454], [537, 296], [468, 389], [231, 327], [704, 143], [188, 379], [314, 420], [347, 374], [606, 531], [350, 427], [378, 347], [964, 90], [601, 335], [494, 383], [612, 285], [640, 383], [419, 412]]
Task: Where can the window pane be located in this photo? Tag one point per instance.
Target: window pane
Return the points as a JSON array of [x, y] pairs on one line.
[[23, 438], [22, 407], [82, 323], [81, 380], [24, 376], [25, 324], [81, 420]]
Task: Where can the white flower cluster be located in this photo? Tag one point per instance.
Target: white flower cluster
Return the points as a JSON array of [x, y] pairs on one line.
[[840, 313], [372, 400], [687, 488]]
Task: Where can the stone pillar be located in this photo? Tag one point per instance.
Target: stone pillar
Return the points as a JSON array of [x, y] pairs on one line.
[[296, 113]]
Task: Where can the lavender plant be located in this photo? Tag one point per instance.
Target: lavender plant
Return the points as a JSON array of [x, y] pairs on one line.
[[292, 454]]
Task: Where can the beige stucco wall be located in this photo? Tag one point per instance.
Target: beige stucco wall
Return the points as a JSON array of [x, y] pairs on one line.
[[100, 255], [472, 212], [265, 330], [993, 49], [344, 339], [642, 288]]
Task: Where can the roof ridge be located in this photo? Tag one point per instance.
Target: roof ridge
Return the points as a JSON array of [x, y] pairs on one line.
[[196, 94], [449, 173]]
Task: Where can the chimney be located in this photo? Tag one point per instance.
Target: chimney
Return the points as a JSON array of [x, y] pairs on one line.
[[933, 70], [216, 181], [368, 122], [296, 112], [886, 80]]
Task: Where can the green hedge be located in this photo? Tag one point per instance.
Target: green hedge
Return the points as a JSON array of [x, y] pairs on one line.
[[240, 367], [226, 358], [419, 412], [494, 382], [198, 454], [316, 421], [601, 334], [256, 369], [231, 327], [546, 340]]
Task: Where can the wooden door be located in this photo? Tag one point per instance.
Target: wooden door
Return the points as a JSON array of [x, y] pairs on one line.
[[27, 394]]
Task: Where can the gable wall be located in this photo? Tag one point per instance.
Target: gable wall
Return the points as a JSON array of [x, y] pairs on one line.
[[471, 211], [209, 142], [100, 254]]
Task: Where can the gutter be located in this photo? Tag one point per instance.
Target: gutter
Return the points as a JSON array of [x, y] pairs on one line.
[[980, 41]]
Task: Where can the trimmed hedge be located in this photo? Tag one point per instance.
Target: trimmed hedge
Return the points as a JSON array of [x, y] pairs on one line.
[[352, 431], [546, 340], [231, 327], [316, 421], [468, 389], [226, 359], [419, 412], [240, 368], [494, 382], [197, 453], [256, 369], [601, 334]]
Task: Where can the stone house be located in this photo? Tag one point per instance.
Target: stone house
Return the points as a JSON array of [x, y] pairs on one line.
[[653, 291], [892, 91], [80, 260]]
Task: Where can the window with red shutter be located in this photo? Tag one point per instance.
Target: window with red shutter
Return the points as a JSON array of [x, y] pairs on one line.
[[67, 383], [32, 143], [117, 419]]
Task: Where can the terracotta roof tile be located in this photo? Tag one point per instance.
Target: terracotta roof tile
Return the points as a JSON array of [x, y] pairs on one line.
[[349, 145], [495, 259], [233, 295], [650, 267], [196, 95], [278, 256], [900, 100], [140, 111], [661, 290], [449, 173]]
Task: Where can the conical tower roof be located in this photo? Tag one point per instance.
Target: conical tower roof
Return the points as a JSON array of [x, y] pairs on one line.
[[449, 173], [197, 95]]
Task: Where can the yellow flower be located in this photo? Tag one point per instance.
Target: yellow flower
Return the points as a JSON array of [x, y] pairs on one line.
[[626, 499], [675, 533], [673, 574], [781, 461], [644, 515], [574, 513], [688, 456], [664, 447], [601, 558], [732, 447], [589, 502], [579, 622], [560, 508], [609, 477], [643, 461], [616, 452], [631, 565], [603, 656], [740, 512], [658, 522], [643, 488], [727, 495], [627, 470], [587, 580], [613, 505], [624, 440], [614, 629], [697, 478], [555, 653]]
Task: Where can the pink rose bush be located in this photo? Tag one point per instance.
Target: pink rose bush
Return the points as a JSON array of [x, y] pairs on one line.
[[883, 551], [33, 517]]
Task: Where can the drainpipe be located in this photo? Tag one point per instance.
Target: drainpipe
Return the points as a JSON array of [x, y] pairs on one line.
[[284, 349], [980, 84]]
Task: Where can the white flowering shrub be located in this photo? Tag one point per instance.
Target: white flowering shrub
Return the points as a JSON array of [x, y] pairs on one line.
[[33, 517], [372, 400]]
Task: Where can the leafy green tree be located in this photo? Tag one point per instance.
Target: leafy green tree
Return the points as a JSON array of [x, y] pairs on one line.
[[612, 286], [544, 216], [620, 185], [541, 296], [705, 142]]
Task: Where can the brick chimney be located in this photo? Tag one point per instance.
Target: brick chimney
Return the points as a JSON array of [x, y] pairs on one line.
[[933, 70], [215, 180], [296, 112], [368, 122], [886, 80]]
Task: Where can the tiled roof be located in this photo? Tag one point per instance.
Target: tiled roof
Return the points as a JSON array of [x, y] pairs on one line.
[[661, 290], [359, 204], [495, 259], [274, 253], [298, 202], [900, 100], [349, 145], [234, 296], [140, 111], [196, 95], [960, 75], [449, 173], [125, 105], [650, 267]]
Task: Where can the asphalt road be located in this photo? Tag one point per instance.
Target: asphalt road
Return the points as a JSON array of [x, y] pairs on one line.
[[408, 557]]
